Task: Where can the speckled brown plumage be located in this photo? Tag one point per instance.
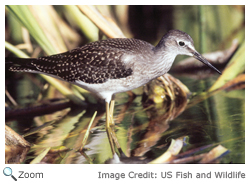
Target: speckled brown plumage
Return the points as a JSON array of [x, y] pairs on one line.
[[115, 65], [92, 63], [112, 66]]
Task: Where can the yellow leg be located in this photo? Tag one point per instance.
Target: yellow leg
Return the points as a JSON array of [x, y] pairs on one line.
[[109, 130], [114, 137], [111, 110]]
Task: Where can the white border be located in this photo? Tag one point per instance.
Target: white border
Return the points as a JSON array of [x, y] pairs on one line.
[[88, 174]]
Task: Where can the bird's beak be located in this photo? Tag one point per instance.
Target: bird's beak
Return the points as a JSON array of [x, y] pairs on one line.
[[198, 56]]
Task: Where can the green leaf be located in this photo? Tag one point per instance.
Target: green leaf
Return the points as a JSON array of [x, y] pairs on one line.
[[39, 158], [233, 69], [23, 14]]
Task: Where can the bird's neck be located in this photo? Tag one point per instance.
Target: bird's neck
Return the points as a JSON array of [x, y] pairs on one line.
[[163, 60]]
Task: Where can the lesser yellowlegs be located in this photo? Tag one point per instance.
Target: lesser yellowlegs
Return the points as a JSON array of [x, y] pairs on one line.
[[111, 66]]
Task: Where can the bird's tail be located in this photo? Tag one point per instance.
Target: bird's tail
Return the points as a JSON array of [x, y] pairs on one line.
[[20, 64]]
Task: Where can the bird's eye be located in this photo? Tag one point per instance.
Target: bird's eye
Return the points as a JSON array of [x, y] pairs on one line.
[[181, 43]]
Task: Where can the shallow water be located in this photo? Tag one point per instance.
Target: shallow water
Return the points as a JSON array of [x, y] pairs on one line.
[[142, 131]]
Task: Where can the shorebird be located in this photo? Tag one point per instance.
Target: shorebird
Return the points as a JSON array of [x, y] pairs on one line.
[[111, 66]]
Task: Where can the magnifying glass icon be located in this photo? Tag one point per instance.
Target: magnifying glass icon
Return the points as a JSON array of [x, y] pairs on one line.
[[8, 172]]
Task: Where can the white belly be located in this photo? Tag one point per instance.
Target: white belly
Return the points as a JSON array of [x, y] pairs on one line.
[[111, 86]]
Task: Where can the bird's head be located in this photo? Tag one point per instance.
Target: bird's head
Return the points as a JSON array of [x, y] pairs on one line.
[[180, 43]]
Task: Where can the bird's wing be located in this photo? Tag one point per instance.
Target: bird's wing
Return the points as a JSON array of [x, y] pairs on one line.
[[93, 63]]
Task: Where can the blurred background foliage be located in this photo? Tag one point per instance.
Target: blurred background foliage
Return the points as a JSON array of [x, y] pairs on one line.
[[32, 31], [211, 26], [46, 30]]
